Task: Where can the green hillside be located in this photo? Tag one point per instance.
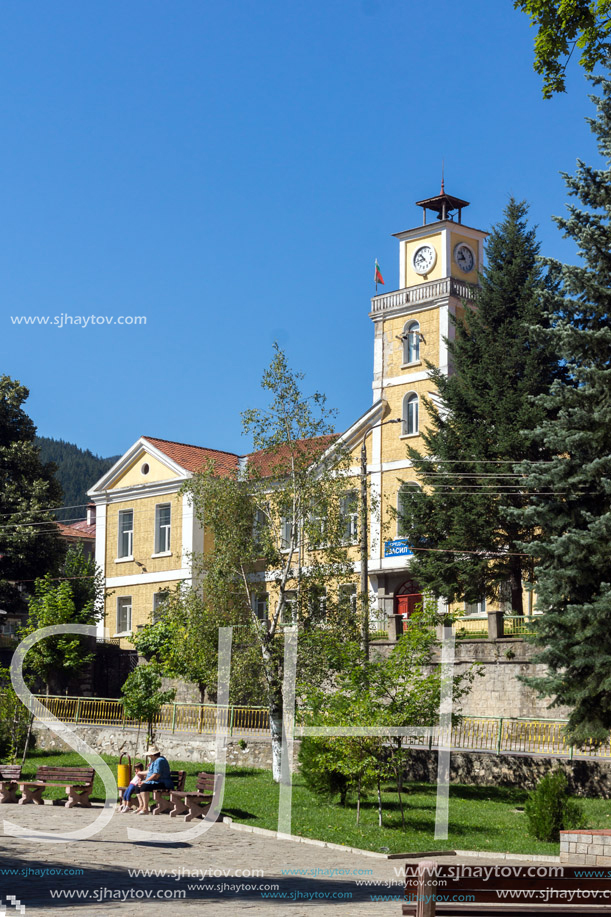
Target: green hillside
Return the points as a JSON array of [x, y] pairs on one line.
[[77, 470]]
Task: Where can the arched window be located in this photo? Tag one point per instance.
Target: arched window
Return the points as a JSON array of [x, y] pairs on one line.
[[410, 414], [411, 342], [406, 488]]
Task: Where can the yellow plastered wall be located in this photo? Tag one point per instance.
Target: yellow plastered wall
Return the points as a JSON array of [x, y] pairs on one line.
[[133, 475], [394, 444], [144, 536], [142, 605], [393, 345], [411, 277], [391, 482], [455, 239]]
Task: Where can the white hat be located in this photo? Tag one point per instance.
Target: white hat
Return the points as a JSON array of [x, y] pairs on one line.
[[152, 750]]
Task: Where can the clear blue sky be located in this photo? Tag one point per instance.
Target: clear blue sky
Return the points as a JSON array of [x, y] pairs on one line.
[[231, 171]]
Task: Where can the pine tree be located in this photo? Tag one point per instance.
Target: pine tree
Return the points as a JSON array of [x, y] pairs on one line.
[[573, 559], [29, 543], [480, 425]]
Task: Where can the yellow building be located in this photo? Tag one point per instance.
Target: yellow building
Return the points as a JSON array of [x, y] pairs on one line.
[[146, 531]]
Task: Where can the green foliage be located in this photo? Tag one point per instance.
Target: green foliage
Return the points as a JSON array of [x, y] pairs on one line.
[[318, 767], [28, 493], [481, 423], [77, 599], [549, 809], [573, 515], [143, 696], [76, 470], [14, 719], [285, 505], [184, 642], [401, 689], [564, 25]]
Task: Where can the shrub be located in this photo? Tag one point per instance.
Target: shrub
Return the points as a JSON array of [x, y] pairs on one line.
[[549, 809], [316, 768]]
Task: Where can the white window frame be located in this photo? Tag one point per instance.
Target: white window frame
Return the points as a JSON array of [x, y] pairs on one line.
[[290, 606], [348, 592], [350, 519], [158, 599], [124, 602], [475, 608], [260, 605], [286, 528], [411, 349], [129, 533], [411, 417], [163, 533]]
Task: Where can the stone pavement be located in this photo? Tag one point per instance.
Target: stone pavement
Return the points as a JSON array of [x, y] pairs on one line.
[[211, 874]]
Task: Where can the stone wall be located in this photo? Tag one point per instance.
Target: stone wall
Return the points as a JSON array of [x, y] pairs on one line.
[[585, 778], [585, 848], [242, 752]]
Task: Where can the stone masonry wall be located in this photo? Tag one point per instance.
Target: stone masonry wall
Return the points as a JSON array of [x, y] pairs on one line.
[[585, 848]]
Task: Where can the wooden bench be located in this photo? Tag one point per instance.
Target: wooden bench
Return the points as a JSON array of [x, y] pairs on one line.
[[196, 804], [78, 782], [430, 887], [9, 775], [162, 799]]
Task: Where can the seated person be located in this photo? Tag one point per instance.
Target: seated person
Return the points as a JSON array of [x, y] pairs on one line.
[[139, 775], [157, 778]]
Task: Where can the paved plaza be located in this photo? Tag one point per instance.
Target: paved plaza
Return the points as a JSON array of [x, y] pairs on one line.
[[107, 888], [225, 869]]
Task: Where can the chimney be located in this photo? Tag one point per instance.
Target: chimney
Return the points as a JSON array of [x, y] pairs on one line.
[[91, 514]]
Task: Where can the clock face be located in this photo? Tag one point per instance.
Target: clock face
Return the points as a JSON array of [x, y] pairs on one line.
[[424, 259], [464, 257]]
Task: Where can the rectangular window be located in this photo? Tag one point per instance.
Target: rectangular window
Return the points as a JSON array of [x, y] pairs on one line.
[[126, 533], [259, 525], [158, 600], [163, 515], [348, 597], [476, 608], [124, 614], [260, 605], [286, 528], [289, 612], [349, 512]]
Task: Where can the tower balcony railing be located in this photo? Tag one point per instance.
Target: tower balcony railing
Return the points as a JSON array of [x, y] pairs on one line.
[[423, 292]]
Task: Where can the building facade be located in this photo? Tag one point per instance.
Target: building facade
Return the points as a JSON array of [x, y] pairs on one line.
[[146, 532]]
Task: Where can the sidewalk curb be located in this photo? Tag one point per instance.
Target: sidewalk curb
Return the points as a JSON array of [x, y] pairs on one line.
[[475, 854]]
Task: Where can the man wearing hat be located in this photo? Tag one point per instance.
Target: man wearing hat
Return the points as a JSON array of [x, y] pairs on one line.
[[157, 778]]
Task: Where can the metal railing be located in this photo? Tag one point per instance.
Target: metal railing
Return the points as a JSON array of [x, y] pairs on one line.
[[182, 718], [423, 292], [489, 734], [518, 626], [471, 627]]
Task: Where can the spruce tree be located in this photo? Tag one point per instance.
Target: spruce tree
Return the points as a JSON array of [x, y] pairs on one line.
[[574, 511], [481, 423], [29, 543]]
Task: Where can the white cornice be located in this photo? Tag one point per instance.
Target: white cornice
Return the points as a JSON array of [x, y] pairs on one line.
[[143, 446]]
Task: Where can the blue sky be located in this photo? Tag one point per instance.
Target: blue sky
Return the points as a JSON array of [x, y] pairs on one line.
[[231, 171]]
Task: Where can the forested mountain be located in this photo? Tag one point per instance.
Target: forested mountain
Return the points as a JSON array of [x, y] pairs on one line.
[[77, 470]]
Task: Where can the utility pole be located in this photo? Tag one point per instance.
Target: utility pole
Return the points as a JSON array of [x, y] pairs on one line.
[[364, 541]]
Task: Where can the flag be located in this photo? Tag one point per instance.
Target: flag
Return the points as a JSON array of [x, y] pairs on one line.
[[377, 275]]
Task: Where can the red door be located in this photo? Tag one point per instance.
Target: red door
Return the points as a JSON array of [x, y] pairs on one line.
[[407, 599]]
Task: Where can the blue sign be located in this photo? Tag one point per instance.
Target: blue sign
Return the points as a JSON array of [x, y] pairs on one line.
[[397, 548]]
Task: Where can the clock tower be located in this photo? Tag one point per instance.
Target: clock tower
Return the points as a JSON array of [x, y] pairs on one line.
[[439, 262]]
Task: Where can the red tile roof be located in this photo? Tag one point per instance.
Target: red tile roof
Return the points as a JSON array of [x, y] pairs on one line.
[[267, 463], [77, 530], [194, 458]]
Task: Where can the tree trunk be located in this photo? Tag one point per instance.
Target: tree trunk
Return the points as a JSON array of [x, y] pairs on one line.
[[275, 722], [515, 583], [358, 801], [27, 740], [379, 803]]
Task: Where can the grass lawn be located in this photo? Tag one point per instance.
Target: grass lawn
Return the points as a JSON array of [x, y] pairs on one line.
[[481, 818]]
